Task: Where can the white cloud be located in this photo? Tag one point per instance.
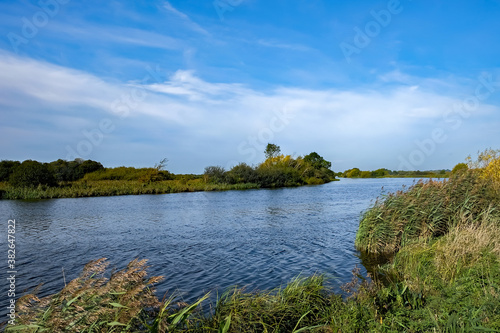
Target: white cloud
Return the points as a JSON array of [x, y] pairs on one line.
[[356, 119]]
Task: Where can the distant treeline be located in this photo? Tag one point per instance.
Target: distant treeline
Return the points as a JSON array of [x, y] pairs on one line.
[[385, 173]]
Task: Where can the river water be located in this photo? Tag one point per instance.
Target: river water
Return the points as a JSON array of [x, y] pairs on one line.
[[198, 241]]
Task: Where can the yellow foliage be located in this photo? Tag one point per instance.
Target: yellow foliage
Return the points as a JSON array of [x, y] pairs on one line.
[[492, 171], [280, 160], [488, 162]]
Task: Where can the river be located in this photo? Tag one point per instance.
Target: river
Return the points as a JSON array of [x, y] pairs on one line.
[[198, 241]]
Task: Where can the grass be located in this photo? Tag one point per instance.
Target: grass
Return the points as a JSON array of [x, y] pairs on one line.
[[95, 188], [427, 210]]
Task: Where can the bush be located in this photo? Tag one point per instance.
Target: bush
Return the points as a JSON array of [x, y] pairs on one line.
[[67, 171], [242, 173], [215, 174], [274, 177], [31, 174], [460, 167]]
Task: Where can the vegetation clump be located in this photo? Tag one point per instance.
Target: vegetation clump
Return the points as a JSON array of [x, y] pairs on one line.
[[277, 170], [386, 173]]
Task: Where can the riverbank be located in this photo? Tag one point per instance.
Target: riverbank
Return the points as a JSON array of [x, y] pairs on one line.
[[80, 189]]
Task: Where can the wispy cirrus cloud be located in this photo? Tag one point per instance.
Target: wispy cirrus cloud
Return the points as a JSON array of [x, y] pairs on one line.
[[281, 45], [185, 18]]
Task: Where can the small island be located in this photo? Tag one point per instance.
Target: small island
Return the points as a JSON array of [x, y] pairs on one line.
[[79, 178]]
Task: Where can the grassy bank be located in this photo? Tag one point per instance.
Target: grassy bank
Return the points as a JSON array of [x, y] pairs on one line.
[[115, 187], [443, 239]]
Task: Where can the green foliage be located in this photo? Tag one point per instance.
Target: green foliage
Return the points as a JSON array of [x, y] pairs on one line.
[[146, 175], [460, 167], [302, 305], [272, 150], [215, 174], [382, 173], [90, 188], [242, 173], [275, 171], [32, 174], [365, 174], [273, 177], [6, 169], [317, 161], [425, 210], [66, 171], [352, 173]]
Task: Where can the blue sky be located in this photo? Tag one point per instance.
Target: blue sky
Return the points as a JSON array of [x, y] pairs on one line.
[[369, 84]]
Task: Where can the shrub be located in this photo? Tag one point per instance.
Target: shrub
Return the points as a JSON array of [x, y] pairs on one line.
[[215, 174], [31, 174], [73, 170], [242, 173], [460, 167]]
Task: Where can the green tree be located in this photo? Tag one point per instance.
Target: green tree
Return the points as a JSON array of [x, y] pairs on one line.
[[31, 174], [89, 166], [317, 161], [380, 173], [365, 174], [6, 168], [352, 173], [272, 150], [73, 170]]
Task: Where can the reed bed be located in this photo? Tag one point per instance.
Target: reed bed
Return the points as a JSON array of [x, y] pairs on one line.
[[115, 187]]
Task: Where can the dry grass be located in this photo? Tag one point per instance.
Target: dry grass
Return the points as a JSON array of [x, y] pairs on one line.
[[91, 302], [465, 246]]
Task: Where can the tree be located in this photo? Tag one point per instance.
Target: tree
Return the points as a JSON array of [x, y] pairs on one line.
[[352, 173], [89, 166], [160, 166], [380, 173], [6, 168], [31, 174], [73, 170], [317, 161], [272, 150]]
